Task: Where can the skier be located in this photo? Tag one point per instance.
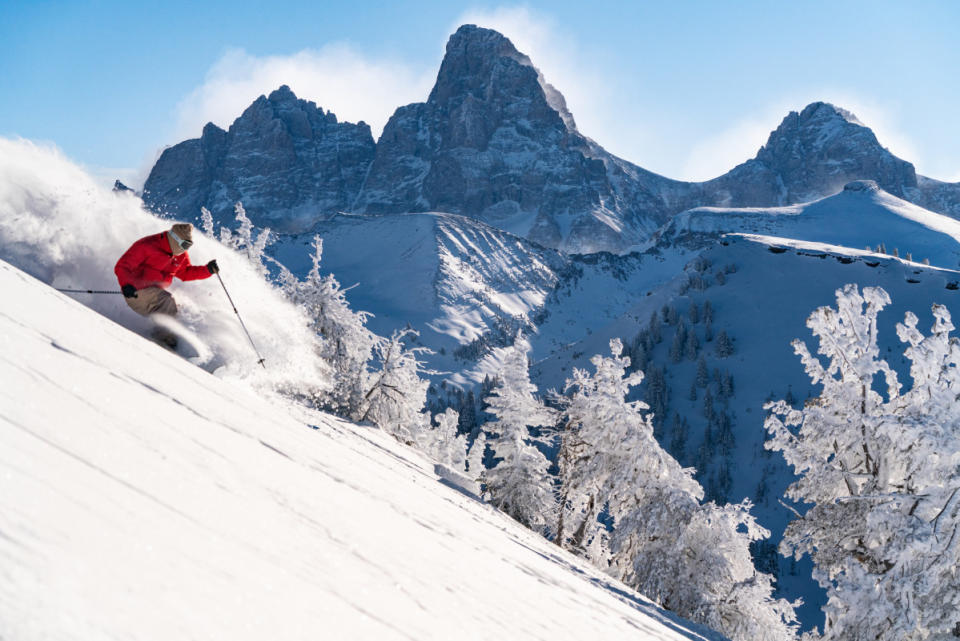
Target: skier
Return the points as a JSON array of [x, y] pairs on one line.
[[148, 267]]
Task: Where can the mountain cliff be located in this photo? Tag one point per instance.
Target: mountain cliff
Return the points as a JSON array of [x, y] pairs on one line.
[[495, 142], [812, 154], [284, 158]]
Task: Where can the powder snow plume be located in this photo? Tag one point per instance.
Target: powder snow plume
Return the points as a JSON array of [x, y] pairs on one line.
[[60, 226]]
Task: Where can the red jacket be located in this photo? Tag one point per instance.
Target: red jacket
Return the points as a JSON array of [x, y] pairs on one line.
[[150, 263]]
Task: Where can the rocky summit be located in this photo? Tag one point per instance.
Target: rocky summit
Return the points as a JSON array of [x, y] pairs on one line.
[[495, 142], [286, 159], [812, 154]]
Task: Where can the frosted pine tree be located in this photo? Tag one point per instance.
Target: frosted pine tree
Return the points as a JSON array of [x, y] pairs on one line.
[[693, 558], [242, 240], [443, 443], [519, 483], [206, 221], [348, 345], [881, 469], [478, 449], [396, 396]]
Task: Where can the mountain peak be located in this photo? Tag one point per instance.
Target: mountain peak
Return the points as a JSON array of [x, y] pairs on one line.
[[820, 111], [282, 94], [819, 124], [470, 35], [479, 61], [472, 55]]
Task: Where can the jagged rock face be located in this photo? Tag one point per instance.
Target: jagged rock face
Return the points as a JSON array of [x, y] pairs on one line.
[[495, 142], [935, 195], [811, 154], [287, 160]]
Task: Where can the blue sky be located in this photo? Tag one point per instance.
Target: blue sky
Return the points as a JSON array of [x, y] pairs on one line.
[[686, 89]]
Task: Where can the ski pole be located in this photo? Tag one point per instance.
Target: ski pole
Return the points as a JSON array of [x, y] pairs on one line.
[[241, 321], [89, 291]]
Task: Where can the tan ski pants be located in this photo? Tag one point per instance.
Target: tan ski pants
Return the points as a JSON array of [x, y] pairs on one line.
[[153, 300]]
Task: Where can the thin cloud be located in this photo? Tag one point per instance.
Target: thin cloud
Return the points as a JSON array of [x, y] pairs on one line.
[[338, 78], [719, 153]]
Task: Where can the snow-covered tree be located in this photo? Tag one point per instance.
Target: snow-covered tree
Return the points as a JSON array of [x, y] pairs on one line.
[[348, 344], [396, 396], [881, 469], [724, 344], [478, 449], [242, 239], [692, 558], [519, 483], [206, 221], [703, 375], [695, 560], [442, 441]]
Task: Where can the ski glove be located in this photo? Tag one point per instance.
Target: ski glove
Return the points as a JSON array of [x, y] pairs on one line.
[[129, 291], [212, 266]]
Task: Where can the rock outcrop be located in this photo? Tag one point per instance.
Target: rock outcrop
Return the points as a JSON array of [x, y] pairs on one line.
[[494, 141], [286, 159], [812, 154]]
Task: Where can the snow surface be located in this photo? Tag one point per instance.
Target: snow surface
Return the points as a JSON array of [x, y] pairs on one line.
[[763, 306], [143, 498], [59, 226], [452, 278], [860, 215]]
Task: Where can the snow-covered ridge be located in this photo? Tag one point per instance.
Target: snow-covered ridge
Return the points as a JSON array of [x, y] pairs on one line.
[[452, 277], [495, 141], [861, 215], [143, 498]]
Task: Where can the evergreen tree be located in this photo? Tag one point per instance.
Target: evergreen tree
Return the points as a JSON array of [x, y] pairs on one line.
[[702, 377], [348, 345], [678, 437], [475, 456], [654, 328], [519, 483], [242, 240], [692, 558], [443, 443], [692, 345], [397, 395], [724, 344], [707, 312], [676, 348], [708, 411], [879, 467], [726, 384], [467, 422]]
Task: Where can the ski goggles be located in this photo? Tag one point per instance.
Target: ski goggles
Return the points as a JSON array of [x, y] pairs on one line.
[[184, 244]]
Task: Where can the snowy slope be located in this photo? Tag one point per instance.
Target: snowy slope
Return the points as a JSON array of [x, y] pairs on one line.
[[859, 216], [143, 498], [770, 286], [451, 277], [59, 226]]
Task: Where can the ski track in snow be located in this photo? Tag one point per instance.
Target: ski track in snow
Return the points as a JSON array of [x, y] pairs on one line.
[[143, 498]]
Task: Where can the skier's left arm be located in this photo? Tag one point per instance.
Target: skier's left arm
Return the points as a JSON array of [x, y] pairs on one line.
[[192, 272]]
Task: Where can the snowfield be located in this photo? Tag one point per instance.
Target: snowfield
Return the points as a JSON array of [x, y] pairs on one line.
[[144, 498]]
